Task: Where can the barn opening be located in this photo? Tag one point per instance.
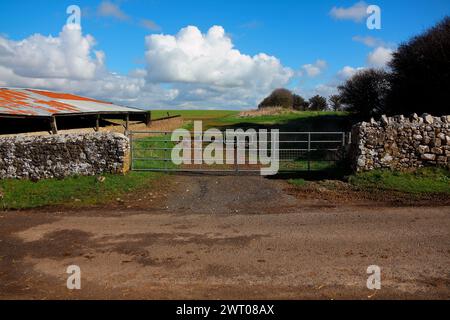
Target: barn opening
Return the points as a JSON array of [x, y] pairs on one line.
[[29, 110]]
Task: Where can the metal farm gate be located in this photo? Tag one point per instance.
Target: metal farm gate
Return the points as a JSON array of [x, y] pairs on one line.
[[298, 151]]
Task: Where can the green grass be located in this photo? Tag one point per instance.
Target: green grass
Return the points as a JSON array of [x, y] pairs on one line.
[[75, 191], [193, 114], [298, 182], [276, 119], [315, 165], [230, 117], [149, 152], [425, 180]]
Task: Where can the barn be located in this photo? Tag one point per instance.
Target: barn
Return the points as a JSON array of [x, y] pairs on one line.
[[29, 110]]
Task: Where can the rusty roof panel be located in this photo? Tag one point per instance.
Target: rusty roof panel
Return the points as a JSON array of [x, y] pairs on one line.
[[29, 102]]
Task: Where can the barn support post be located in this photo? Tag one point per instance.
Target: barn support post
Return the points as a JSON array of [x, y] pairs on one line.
[[127, 122], [97, 123], [53, 125], [148, 119]]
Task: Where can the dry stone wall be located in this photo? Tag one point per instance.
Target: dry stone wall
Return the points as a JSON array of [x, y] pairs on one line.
[[59, 156], [401, 143]]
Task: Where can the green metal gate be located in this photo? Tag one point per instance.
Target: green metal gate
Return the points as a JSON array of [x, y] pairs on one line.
[[298, 151]]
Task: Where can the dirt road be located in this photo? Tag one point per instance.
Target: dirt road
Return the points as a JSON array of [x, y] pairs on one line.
[[227, 238]]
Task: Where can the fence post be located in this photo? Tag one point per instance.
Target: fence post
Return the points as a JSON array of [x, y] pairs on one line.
[[165, 152], [130, 137], [236, 168], [309, 151]]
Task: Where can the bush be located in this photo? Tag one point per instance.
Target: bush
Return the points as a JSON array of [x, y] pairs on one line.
[[366, 92], [285, 99], [317, 103], [335, 102], [278, 98], [421, 73], [299, 103]]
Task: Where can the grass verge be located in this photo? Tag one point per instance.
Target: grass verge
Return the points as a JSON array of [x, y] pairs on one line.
[[424, 180], [74, 191], [421, 182]]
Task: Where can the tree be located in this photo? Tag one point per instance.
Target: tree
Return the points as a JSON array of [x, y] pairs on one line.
[[278, 98], [365, 93], [317, 103], [421, 73], [335, 102], [299, 103]]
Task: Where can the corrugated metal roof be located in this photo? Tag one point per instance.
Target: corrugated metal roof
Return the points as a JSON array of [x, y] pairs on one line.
[[40, 103]]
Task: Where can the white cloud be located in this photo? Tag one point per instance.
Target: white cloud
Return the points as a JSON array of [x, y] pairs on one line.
[[109, 9], [355, 13], [69, 63], [210, 61], [68, 56], [193, 57], [380, 57], [348, 72], [313, 70], [186, 70]]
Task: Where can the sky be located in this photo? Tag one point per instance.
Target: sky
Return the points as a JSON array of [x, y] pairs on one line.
[[221, 54]]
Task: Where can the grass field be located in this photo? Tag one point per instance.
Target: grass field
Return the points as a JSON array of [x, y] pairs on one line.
[[220, 118], [193, 114], [21, 194], [277, 119]]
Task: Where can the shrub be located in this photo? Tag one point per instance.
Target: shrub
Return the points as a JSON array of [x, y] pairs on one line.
[[278, 98], [335, 102], [421, 73], [366, 92], [317, 103], [299, 103]]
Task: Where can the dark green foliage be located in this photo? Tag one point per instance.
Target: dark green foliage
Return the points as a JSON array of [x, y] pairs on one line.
[[284, 98], [365, 93], [278, 98], [317, 103], [335, 102], [421, 73], [299, 103]]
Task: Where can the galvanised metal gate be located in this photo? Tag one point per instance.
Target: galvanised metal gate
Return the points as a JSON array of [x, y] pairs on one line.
[[298, 151]]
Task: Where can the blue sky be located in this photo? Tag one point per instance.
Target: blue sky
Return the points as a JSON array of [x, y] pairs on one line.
[[315, 48]]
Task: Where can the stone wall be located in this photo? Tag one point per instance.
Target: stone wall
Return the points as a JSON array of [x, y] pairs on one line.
[[59, 156], [401, 143]]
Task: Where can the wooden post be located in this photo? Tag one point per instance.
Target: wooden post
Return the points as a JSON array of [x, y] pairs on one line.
[[148, 119], [53, 125], [97, 123], [127, 122]]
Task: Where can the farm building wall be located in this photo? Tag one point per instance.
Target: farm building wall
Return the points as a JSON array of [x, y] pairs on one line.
[[401, 143], [59, 156]]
